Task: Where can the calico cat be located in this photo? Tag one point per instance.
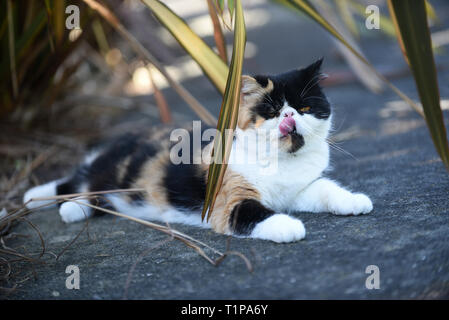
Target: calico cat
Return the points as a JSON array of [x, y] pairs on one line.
[[291, 105]]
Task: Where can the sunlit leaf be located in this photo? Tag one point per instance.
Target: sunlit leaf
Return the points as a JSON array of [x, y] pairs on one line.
[[431, 12], [231, 8], [386, 25], [360, 69], [218, 32], [347, 17], [411, 21], [164, 110], [213, 67], [220, 6], [228, 114]]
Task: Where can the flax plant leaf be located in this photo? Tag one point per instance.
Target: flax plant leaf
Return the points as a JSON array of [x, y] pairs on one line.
[[414, 35], [211, 64], [228, 115]]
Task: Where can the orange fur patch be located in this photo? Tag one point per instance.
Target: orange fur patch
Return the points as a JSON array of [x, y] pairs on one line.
[[252, 94], [153, 171], [234, 190]]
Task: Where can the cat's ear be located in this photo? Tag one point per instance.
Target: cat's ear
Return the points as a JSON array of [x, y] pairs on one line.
[[253, 89], [315, 67], [249, 85], [252, 85]]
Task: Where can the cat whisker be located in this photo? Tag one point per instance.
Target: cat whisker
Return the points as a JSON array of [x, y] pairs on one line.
[[269, 98], [307, 84], [315, 97], [310, 87], [341, 150], [331, 143]]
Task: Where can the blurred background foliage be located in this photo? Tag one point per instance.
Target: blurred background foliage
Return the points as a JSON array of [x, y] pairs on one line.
[[36, 48]]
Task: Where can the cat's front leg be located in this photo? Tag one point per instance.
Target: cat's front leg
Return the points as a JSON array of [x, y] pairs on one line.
[[325, 195], [250, 218], [239, 211]]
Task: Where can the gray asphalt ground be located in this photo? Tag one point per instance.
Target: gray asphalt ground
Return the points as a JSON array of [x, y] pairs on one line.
[[393, 161]]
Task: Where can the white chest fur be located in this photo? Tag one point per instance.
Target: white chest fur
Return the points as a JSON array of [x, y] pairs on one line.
[[288, 176]]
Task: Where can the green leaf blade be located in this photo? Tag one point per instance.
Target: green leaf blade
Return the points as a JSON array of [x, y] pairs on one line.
[[414, 33], [211, 64], [228, 114]]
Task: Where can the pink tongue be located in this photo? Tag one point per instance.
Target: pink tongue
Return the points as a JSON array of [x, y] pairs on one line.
[[287, 125]]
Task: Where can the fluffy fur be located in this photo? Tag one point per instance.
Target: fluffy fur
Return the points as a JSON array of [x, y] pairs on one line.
[[260, 192]]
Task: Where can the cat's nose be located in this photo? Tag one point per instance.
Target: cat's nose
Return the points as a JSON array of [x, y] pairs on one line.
[[288, 114]]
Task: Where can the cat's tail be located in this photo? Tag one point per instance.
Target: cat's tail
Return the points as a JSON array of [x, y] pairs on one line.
[[49, 189]]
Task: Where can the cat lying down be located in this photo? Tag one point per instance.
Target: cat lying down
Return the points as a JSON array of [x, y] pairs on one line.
[[253, 201]]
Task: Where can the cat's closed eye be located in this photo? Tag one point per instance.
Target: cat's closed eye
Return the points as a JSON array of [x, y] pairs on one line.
[[273, 113], [304, 109]]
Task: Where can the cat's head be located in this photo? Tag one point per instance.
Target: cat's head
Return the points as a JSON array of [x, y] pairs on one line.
[[291, 104]]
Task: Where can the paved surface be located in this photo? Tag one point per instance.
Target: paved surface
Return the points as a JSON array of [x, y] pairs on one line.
[[406, 236]]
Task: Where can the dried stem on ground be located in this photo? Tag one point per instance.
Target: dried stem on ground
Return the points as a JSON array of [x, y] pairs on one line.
[[9, 256]]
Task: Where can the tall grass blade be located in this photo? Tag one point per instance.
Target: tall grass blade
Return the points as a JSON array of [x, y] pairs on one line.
[[228, 114], [360, 69], [231, 8], [346, 14], [164, 110], [12, 50], [218, 32], [220, 6], [100, 36], [414, 34], [431, 14], [59, 20], [386, 25], [31, 33], [50, 25]]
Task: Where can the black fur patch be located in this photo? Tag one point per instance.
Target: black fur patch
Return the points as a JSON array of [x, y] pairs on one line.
[[266, 111], [186, 187], [73, 185], [271, 104], [103, 170], [80, 177], [300, 88], [185, 183], [246, 215], [297, 142], [101, 174], [262, 80]]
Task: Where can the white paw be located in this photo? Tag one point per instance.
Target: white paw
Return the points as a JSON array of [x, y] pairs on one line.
[[351, 203], [73, 212], [279, 228], [42, 191]]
